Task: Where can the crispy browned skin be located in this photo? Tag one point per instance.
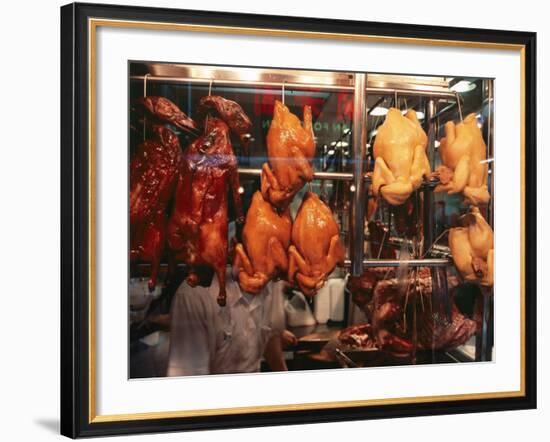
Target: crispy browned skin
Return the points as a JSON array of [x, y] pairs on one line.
[[262, 256], [401, 161], [463, 153], [290, 148], [153, 174], [230, 112], [316, 247], [164, 110], [197, 230]]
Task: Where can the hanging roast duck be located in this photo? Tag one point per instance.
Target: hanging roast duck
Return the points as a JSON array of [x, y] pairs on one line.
[[197, 230], [153, 174]]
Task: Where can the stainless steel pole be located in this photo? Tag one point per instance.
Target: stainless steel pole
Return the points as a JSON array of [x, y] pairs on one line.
[[428, 195], [359, 147], [490, 148]]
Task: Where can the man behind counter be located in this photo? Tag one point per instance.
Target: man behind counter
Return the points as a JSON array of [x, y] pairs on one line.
[[209, 339]]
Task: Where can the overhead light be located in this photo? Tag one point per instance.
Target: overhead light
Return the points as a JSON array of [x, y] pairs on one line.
[[463, 86], [379, 111]]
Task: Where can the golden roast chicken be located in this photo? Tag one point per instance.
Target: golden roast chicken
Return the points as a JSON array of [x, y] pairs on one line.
[[400, 157], [464, 154], [316, 247], [290, 148], [262, 256], [472, 248]]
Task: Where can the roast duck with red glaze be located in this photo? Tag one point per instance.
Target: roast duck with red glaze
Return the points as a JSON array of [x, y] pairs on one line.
[[153, 174], [197, 229], [161, 109], [230, 112]]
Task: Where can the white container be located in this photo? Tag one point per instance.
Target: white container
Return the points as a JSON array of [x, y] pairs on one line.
[[298, 313], [337, 297], [321, 304]]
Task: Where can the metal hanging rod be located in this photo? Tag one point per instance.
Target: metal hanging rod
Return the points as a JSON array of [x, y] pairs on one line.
[[429, 262], [293, 85], [370, 263], [339, 176]]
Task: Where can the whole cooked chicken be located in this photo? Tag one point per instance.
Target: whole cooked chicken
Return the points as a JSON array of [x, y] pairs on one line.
[[153, 174], [400, 153], [290, 148], [316, 247], [197, 230], [472, 248], [164, 110], [464, 154], [262, 256], [230, 112]]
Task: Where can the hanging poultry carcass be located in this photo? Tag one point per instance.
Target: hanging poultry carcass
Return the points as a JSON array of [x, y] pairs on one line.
[[290, 149], [400, 156], [263, 253], [316, 246], [197, 230], [153, 175], [464, 156]]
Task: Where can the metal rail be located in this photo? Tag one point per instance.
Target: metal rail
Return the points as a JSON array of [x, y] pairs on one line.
[[367, 263], [339, 176], [359, 151], [429, 262], [293, 85], [343, 176]]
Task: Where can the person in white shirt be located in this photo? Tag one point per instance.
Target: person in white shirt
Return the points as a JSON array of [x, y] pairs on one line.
[[208, 339]]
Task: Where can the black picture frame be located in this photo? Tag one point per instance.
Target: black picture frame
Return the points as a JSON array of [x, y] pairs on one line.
[[75, 247]]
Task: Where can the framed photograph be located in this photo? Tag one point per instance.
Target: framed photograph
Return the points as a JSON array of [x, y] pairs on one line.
[[277, 220]]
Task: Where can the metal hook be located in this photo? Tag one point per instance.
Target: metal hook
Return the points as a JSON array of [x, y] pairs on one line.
[[283, 92], [145, 84], [395, 102], [459, 106], [145, 94], [210, 88]]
